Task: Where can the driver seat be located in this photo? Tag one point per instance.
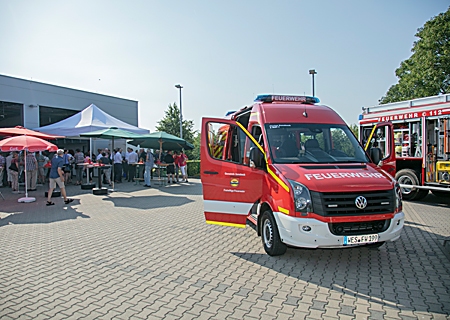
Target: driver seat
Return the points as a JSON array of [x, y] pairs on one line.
[[312, 146]]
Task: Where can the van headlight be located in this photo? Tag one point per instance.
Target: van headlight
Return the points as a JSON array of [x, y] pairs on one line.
[[398, 198], [302, 198]]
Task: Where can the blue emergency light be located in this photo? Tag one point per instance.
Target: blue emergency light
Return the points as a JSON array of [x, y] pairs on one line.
[[229, 112], [284, 98]]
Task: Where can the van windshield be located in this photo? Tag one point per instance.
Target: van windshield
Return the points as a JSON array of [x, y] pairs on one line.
[[313, 143]]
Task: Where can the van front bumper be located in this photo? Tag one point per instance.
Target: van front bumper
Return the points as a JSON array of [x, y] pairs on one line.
[[292, 232]]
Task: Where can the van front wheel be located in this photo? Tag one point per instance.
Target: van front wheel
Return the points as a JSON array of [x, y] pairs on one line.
[[270, 236]]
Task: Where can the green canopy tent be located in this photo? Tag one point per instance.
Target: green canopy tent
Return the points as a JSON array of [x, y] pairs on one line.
[[162, 141], [112, 133]]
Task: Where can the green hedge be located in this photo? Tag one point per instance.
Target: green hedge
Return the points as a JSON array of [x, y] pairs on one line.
[[193, 168]]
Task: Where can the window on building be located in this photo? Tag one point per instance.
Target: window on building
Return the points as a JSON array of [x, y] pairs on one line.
[[11, 114], [49, 115]]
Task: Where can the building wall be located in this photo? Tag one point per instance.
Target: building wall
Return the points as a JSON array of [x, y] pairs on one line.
[[32, 94]]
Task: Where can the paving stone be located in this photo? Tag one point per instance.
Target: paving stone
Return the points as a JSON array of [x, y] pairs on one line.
[[148, 254]]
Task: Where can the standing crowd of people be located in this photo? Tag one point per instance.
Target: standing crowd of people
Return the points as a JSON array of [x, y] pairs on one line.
[[58, 168], [12, 169], [146, 162]]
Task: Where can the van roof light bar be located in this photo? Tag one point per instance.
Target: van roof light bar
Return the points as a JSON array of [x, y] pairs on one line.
[[229, 113], [284, 98]]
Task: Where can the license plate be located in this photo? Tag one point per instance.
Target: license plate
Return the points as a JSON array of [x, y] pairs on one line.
[[367, 238]]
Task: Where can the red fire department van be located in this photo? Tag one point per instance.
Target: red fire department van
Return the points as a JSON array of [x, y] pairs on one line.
[[412, 143], [295, 170]]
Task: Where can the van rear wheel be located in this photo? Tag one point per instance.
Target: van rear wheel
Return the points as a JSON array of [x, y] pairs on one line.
[[270, 236]]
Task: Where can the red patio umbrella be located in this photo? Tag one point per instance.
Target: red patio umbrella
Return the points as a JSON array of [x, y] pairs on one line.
[[19, 131], [26, 144]]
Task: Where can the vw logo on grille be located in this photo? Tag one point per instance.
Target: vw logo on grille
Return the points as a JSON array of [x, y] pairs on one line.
[[361, 202]]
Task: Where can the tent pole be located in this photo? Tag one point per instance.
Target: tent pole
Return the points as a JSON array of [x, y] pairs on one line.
[[88, 178], [112, 163]]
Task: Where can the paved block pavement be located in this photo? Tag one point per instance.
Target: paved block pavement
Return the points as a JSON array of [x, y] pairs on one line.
[[142, 253]]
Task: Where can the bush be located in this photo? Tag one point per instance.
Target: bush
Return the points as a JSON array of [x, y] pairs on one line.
[[193, 168]]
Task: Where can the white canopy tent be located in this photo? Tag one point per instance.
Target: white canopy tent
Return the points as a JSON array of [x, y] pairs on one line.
[[87, 120]]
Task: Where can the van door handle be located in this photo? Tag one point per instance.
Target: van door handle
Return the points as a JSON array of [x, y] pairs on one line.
[[210, 172]]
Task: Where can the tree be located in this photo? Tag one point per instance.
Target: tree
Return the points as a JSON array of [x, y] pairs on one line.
[[354, 128], [427, 71], [171, 124], [196, 151]]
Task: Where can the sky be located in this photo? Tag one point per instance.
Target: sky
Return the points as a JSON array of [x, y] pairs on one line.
[[223, 53]]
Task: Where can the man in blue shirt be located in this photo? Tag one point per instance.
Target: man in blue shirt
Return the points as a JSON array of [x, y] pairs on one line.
[[57, 177]]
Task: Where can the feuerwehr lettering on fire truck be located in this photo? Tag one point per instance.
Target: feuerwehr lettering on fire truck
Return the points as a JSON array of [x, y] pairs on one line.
[[341, 175]]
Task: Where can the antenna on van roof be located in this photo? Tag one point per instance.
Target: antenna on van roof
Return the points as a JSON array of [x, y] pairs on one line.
[[304, 112]]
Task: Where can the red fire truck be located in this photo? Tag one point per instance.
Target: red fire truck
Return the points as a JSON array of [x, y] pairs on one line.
[[411, 141], [294, 170]]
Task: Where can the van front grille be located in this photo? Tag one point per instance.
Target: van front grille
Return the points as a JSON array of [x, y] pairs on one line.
[[344, 203]]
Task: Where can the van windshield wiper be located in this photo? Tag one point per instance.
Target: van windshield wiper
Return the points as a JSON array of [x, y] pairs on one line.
[[350, 161]]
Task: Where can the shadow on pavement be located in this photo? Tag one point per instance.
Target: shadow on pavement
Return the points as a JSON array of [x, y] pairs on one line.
[[148, 202], [366, 273], [436, 201], [58, 212], [190, 189]]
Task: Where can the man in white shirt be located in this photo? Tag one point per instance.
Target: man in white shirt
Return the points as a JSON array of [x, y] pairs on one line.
[[118, 166], [132, 162], [99, 155]]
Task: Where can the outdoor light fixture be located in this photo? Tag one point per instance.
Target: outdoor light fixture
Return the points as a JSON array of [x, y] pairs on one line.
[[179, 86]]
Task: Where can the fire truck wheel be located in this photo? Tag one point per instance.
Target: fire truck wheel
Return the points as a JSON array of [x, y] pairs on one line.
[[270, 236], [408, 176], [421, 194]]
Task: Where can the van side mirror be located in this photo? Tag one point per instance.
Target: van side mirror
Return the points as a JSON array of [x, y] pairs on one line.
[[256, 157], [376, 155]]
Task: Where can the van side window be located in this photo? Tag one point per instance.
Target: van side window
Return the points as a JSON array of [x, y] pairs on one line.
[[228, 143], [257, 134], [217, 137]]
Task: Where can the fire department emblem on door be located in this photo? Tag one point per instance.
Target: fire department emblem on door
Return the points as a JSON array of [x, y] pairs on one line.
[[234, 182]]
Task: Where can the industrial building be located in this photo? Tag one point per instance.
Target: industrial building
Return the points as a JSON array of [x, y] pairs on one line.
[[33, 104]]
